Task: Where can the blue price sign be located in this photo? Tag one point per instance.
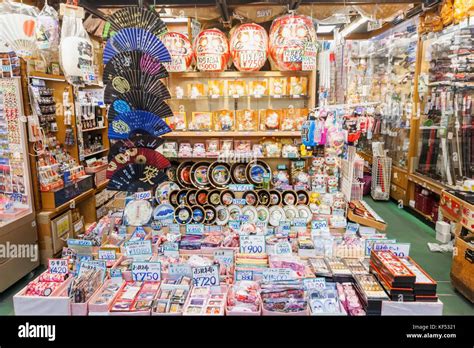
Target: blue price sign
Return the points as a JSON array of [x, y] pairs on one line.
[[243, 275], [195, 229]]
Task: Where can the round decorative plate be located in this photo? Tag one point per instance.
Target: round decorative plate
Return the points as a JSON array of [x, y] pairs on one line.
[[191, 197], [201, 197], [234, 212], [183, 174], [210, 214], [163, 190], [251, 212], [214, 197], [263, 214], [171, 171], [181, 197], [277, 214], [199, 215], [199, 176], [183, 215], [264, 197], [305, 213], [163, 212], [173, 198], [275, 197], [255, 172], [138, 212], [251, 197], [290, 212], [219, 174], [303, 197], [227, 197], [237, 171], [289, 198], [222, 215]]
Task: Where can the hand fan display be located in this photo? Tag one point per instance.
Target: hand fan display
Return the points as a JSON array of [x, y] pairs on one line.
[[288, 35], [133, 39], [136, 177], [134, 122], [18, 31], [248, 47], [181, 51], [211, 49], [121, 85], [137, 17], [137, 140], [139, 156], [127, 61], [139, 100]]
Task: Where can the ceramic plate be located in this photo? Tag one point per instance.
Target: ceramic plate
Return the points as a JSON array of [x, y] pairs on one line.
[[277, 214], [183, 215], [222, 215], [183, 174], [163, 212], [199, 176], [219, 174]]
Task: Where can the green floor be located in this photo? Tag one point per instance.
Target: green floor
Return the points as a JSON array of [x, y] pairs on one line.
[[401, 226]]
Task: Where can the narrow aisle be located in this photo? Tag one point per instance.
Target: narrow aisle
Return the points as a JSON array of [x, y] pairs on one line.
[[406, 228]]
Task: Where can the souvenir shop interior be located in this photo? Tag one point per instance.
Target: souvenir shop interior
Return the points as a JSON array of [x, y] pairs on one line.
[[236, 158]]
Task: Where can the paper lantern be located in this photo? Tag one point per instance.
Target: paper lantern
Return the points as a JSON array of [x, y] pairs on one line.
[[181, 51], [288, 35], [248, 47], [212, 50]]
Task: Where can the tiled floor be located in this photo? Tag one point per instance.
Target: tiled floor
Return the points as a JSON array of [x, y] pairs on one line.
[[401, 226]]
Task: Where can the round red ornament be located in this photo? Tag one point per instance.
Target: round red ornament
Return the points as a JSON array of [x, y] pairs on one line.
[[212, 50], [288, 35], [248, 47], [180, 49]]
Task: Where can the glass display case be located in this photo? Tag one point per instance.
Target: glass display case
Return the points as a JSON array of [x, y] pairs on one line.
[[446, 90]]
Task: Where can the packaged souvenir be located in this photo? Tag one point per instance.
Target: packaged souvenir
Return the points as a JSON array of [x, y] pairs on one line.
[[199, 150], [298, 86], [201, 121], [236, 88], [215, 88], [185, 150], [247, 120], [249, 46], [195, 90], [242, 147], [179, 92], [170, 149], [290, 151], [244, 298], [269, 119], [211, 49], [177, 122], [257, 150], [281, 177], [288, 120], [278, 86], [212, 148], [227, 147], [300, 116], [271, 148], [299, 177], [258, 88], [224, 120], [333, 183]]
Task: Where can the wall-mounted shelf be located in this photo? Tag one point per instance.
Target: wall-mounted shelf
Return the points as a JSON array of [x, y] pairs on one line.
[[196, 134], [93, 129], [237, 74], [95, 153]]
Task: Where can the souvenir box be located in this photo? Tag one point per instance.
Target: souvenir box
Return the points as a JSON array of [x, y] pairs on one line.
[[171, 297], [195, 90], [392, 269], [298, 86], [223, 120], [53, 199], [245, 297], [451, 206], [236, 89], [131, 297], [325, 302], [201, 121], [370, 292], [101, 301], [424, 284], [216, 88], [359, 212], [395, 293], [206, 301], [258, 88], [278, 86], [340, 272], [246, 120], [177, 122], [270, 119], [57, 303], [82, 309], [296, 295]]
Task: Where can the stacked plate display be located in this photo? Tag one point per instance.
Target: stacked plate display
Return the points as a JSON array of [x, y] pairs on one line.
[[133, 58]]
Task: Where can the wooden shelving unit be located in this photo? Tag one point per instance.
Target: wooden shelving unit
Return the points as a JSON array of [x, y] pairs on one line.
[[210, 134]]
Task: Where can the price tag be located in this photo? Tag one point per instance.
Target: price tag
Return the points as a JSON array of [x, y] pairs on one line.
[[277, 274], [224, 257], [177, 270], [139, 250], [352, 228], [234, 224], [92, 265], [319, 226], [115, 273], [284, 228], [292, 55], [252, 244], [171, 249], [314, 284], [283, 248], [239, 201], [174, 229], [195, 229], [401, 250], [206, 275], [309, 59], [299, 222], [58, 266], [107, 254], [240, 187], [138, 234], [143, 195], [79, 242], [369, 243], [243, 275], [244, 218], [146, 271]]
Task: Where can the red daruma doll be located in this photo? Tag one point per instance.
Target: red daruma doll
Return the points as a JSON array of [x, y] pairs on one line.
[[180, 50], [248, 47], [212, 50], [288, 35]]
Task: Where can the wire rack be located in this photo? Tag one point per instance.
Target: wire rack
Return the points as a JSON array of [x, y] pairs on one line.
[[381, 176]]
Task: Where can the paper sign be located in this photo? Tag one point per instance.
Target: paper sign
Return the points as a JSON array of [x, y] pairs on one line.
[[195, 229], [174, 229], [224, 257], [240, 187], [310, 53], [138, 234], [146, 271], [352, 228], [79, 242], [243, 275], [244, 218], [369, 243], [115, 273], [177, 270], [206, 275], [319, 225], [399, 249], [277, 274], [92, 265], [143, 195], [299, 222], [283, 248], [139, 250], [252, 244], [314, 283], [239, 201], [171, 249], [107, 254], [284, 228], [234, 224], [58, 266]]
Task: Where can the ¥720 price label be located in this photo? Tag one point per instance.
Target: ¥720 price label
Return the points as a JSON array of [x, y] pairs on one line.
[[206, 275]]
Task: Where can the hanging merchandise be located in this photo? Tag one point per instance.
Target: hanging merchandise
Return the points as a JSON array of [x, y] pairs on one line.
[[76, 52], [211, 49], [17, 27], [47, 33], [248, 47], [288, 36], [136, 17], [181, 51]]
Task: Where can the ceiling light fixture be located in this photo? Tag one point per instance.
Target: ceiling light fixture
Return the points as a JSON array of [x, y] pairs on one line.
[[353, 26], [325, 29]]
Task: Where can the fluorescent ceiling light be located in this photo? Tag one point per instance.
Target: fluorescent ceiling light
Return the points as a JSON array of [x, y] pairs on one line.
[[324, 29], [353, 26], [174, 20]]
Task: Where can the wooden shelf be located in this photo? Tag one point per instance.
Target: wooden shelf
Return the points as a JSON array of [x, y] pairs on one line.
[[44, 76], [427, 183], [48, 213], [102, 186], [95, 153], [241, 74], [92, 129], [243, 97], [427, 217], [196, 134]]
